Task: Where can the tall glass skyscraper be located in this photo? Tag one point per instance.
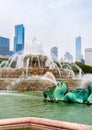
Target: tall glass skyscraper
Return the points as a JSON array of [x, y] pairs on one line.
[[78, 48], [19, 38]]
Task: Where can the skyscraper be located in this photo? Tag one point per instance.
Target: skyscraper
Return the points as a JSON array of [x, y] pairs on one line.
[[88, 56], [4, 46], [19, 38], [78, 48], [68, 57], [54, 53]]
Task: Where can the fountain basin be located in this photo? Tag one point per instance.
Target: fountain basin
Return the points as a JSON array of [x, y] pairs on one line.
[[31, 84], [16, 73]]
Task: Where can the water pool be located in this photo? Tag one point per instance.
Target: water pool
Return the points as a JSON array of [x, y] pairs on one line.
[[26, 104]]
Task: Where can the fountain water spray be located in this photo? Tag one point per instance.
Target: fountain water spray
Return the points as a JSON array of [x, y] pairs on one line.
[[86, 80], [34, 63]]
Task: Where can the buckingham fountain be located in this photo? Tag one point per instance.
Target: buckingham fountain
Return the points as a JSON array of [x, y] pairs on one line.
[[31, 70]]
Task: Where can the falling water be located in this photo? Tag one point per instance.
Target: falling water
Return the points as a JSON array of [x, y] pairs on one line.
[[85, 80], [79, 76], [27, 67], [3, 64]]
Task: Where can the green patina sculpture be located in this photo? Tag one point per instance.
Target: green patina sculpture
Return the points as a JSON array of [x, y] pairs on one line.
[[60, 93]]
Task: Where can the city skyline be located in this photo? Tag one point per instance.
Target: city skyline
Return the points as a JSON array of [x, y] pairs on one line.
[[53, 22]]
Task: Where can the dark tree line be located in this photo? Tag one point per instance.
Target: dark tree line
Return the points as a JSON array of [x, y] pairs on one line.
[[85, 68]]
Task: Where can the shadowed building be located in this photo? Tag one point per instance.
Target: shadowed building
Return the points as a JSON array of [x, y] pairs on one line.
[[4, 46], [19, 38], [54, 53]]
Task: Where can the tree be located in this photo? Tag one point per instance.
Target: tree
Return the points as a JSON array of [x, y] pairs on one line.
[[85, 68]]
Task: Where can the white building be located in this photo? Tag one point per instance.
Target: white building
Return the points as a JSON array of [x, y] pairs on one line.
[[88, 56]]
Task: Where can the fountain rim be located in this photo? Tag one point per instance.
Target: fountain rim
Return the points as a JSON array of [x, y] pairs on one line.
[[35, 122]]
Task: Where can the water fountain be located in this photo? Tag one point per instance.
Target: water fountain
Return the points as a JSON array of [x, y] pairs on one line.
[[28, 65]]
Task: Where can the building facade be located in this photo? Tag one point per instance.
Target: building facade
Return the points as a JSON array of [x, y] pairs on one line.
[[54, 53], [19, 38], [68, 57], [78, 48], [4, 46], [88, 56]]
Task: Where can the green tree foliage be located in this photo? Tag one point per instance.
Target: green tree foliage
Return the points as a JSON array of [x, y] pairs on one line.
[[85, 68]]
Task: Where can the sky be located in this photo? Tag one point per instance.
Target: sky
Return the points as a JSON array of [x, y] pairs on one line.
[[52, 22]]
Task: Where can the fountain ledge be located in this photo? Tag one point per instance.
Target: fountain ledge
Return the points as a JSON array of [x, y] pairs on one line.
[[41, 124]]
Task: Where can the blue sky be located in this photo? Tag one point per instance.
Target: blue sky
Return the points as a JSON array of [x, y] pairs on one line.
[[53, 22]]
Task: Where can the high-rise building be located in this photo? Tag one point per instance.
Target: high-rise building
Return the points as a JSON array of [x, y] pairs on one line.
[[54, 53], [88, 56], [78, 48], [68, 57], [4, 46], [19, 38]]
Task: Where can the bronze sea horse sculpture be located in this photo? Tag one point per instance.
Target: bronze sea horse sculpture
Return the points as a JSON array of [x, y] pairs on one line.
[[59, 92]]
